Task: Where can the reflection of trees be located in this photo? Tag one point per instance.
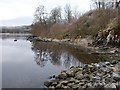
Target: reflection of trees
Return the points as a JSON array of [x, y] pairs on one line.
[[44, 53], [40, 60], [60, 55]]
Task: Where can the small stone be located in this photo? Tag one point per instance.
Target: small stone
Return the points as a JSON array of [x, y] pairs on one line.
[[89, 68], [70, 84], [97, 65], [53, 76], [75, 86], [64, 82], [114, 62], [54, 83], [110, 85], [65, 87], [51, 87], [81, 83], [89, 85], [15, 40], [58, 85], [107, 63]]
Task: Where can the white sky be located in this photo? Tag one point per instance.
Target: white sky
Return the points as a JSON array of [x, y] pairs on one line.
[[14, 12]]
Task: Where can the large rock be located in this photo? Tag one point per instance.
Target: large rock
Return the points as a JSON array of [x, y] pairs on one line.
[[47, 83], [89, 68], [59, 85], [56, 40], [63, 75], [72, 80], [79, 76], [116, 76]]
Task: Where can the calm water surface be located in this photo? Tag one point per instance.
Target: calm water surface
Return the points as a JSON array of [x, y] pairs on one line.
[[28, 64]]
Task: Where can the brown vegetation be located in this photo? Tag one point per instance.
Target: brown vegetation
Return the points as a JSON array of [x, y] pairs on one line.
[[88, 24]]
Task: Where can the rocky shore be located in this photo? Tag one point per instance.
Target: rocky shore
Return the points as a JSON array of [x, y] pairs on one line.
[[95, 75], [79, 41], [98, 75], [82, 42]]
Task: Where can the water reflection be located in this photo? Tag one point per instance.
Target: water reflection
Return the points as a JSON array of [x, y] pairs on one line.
[[61, 55], [28, 64]]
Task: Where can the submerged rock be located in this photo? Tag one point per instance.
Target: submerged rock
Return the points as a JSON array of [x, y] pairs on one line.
[[47, 83], [15, 40]]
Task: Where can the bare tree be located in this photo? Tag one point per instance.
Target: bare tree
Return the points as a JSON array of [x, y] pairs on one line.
[[104, 3], [55, 15], [76, 14], [40, 14], [68, 13]]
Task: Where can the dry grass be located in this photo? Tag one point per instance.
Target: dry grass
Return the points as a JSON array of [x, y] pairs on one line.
[[88, 24]]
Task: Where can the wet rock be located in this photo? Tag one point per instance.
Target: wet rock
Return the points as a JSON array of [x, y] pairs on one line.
[[53, 76], [110, 85], [72, 80], [89, 85], [77, 81], [65, 87], [75, 86], [114, 62], [59, 85], [114, 51], [96, 79], [54, 83], [90, 68], [70, 84], [79, 75], [73, 69], [70, 73], [81, 84], [107, 63], [88, 76], [65, 82], [50, 77], [56, 40], [116, 76], [96, 65], [51, 87], [47, 83], [63, 75], [15, 40]]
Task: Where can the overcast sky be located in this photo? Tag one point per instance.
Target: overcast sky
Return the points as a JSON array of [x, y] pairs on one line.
[[20, 12]]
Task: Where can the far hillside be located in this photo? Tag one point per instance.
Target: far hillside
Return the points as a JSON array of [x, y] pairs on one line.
[[15, 29]]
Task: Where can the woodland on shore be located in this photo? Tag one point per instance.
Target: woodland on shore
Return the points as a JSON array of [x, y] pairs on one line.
[[71, 24]]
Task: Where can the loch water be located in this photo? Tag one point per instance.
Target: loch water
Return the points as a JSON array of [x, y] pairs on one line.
[[28, 64]]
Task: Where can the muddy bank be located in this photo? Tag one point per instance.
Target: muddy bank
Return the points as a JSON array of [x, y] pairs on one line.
[[98, 75]]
